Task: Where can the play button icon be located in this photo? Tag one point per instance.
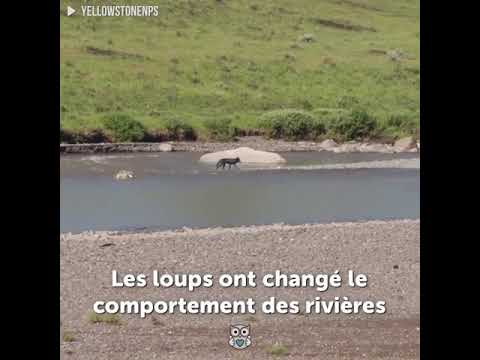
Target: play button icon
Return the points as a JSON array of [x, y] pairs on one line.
[[70, 11]]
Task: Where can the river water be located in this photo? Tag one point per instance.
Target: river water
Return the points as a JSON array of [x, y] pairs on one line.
[[173, 190]]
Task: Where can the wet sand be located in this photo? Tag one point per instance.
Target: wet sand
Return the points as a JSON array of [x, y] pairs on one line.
[[387, 251]]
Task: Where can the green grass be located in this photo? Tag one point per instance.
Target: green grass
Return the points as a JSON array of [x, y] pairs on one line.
[[278, 350], [251, 318], [202, 60], [112, 319], [68, 337]]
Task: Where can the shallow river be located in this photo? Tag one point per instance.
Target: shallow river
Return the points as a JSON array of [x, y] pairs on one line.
[[174, 190]]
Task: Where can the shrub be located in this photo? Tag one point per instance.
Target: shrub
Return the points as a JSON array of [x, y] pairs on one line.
[[68, 337], [112, 319], [180, 130], [123, 128], [157, 135], [356, 125], [404, 123], [291, 124], [93, 136], [221, 128], [329, 115], [65, 136], [278, 350]]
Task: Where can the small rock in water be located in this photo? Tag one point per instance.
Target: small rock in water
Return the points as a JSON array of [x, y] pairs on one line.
[[107, 245], [124, 175]]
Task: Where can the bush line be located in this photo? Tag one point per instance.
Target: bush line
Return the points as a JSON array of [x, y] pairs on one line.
[[287, 124]]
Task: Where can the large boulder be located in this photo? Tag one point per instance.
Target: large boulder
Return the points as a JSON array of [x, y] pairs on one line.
[[395, 55], [165, 147], [328, 144], [405, 144], [306, 38], [246, 155]]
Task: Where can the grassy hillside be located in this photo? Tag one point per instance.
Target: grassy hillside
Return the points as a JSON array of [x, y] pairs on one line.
[[208, 59]]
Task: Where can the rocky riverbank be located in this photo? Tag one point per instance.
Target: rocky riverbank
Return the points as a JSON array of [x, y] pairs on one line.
[[254, 142], [387, 251]]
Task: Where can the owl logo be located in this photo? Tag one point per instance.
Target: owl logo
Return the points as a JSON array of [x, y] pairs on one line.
[[240, 336]]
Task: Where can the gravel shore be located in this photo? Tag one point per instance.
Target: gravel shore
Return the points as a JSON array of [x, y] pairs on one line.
[[386, 251], [254, 142]]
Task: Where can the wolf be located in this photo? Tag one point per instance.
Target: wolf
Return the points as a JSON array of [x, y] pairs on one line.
[[222, 162]]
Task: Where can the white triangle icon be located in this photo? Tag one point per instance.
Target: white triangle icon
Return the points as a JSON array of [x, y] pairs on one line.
[[70, 11]]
